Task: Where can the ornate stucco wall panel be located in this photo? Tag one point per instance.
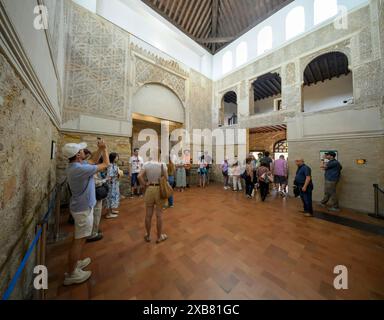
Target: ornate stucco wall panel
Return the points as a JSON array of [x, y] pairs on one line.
[[96, 67], [200, 101], [148, 72]]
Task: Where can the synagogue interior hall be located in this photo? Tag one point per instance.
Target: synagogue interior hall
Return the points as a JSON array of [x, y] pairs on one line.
[[191, 150]]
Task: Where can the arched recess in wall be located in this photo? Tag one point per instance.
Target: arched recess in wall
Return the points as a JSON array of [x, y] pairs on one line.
[[295, 22], [157, 100], [266, 94], [264, 40], [324, 10], [241, 54], [227, 62], [228, 109], [328, 83]]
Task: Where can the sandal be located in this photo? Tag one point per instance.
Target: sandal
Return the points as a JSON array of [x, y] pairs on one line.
[[162, 238], [147, 238]]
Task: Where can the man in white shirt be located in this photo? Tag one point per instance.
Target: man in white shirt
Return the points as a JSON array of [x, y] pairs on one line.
[[136, 163]]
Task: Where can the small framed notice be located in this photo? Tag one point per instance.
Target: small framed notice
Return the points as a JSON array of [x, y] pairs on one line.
[[53, 149]]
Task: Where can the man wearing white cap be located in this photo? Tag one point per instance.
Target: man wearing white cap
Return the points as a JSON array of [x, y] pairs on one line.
[[83, 199]]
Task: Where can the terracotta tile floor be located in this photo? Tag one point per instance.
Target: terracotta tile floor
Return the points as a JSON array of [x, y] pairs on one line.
[[224, 246]]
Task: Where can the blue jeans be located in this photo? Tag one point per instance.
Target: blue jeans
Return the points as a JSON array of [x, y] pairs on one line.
[[171, 180], [306, 197], [249, 185]]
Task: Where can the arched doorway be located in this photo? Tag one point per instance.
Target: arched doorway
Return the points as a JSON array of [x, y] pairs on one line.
[[280, 148]]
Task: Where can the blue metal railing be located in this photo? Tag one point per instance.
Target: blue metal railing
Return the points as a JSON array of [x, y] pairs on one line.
[[35, 241]]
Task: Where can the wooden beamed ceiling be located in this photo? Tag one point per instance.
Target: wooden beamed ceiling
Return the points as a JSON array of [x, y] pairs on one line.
[[267, 129], [230, 97], [326, 67], [216, 23], [267, 85]]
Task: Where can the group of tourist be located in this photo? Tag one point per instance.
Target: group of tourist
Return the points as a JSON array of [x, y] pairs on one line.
[[257, 174], [93, 178]]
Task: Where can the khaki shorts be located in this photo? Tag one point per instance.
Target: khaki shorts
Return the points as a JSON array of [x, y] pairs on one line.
[[152, 196], [83, 223]]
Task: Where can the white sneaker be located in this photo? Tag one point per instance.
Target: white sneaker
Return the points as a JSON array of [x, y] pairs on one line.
[[81, 264], [111, 216], [76, 277]]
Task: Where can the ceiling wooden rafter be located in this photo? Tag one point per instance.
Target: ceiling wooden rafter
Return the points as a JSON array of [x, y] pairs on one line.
[[216, 23], [267, 85], [268, 129]]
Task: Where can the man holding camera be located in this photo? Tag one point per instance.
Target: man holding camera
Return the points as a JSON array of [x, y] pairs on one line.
[[83, 200]]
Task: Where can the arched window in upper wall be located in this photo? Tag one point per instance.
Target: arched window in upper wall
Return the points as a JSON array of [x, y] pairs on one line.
[[324, 9], [264, 40], [295, 22], [227, 62], [241, 54]]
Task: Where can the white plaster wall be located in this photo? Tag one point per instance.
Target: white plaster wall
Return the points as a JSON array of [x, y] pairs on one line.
[[329, 94], [36, 46], [341, 123], [158, 101], [141, 21], [88, 4]]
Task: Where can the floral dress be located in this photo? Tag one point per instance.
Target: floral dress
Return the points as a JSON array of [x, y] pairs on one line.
[[113, 198]]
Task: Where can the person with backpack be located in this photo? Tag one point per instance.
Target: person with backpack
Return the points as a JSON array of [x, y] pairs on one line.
[[332, 174], [264, 177]]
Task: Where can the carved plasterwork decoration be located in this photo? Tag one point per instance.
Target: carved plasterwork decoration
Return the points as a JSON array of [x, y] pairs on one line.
[[96, 66], [290, 74], [159, 61], [243, 90], [149, 72]]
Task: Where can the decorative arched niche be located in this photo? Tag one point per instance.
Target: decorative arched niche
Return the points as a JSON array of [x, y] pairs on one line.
[[228, 112], [160, 101]]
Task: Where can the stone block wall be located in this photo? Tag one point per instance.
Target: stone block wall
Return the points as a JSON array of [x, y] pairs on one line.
[[27, 175]]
